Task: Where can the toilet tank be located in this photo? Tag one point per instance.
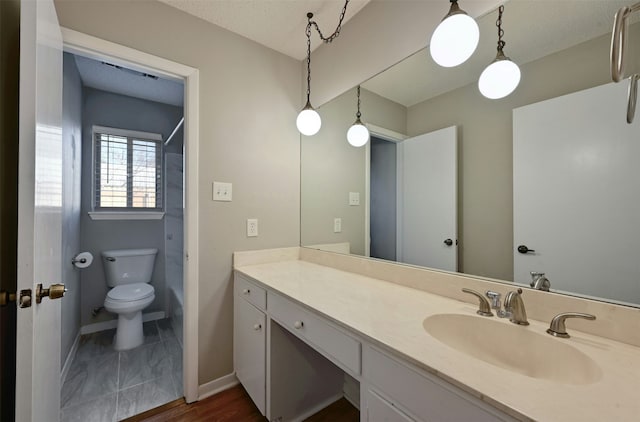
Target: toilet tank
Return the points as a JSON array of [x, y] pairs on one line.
[[126, 266]]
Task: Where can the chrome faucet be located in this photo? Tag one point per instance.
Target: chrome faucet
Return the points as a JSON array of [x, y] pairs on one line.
[[484, 308], [539, 281], [495, 304], [514, 305], [558, 328]]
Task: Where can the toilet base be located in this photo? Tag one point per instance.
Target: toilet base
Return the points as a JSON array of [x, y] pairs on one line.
[[129, 333]]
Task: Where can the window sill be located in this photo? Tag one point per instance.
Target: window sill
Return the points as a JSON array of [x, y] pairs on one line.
[[125, 215]]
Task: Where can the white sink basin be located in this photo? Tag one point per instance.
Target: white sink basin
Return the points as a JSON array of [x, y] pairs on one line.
[[513, 347]]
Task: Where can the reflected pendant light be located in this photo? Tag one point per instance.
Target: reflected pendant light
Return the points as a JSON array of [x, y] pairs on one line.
[[308, 121], [455, 39], [358, 134], [502, 76]]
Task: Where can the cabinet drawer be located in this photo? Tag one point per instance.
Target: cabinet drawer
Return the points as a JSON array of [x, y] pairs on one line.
[[380, 410], [254, 294], [421, 394], [321, 334]]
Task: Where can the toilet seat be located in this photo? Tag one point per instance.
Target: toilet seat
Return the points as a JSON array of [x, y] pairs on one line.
[[130, 292]]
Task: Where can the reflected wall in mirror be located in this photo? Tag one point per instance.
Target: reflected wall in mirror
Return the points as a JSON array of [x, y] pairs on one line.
[[561, 47]]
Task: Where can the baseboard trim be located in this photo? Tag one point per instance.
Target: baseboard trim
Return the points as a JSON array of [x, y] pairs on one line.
[[69, 359], [217, 385], [113, 323]]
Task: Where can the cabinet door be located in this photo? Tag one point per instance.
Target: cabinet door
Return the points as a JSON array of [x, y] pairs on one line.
[[249, 350], [380, 410]]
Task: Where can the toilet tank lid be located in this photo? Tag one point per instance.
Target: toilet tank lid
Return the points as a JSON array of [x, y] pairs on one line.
[[129, 252]]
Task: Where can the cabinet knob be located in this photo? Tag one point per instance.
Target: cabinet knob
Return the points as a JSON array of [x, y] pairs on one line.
[[298, 325], [257, 327], [246, 291]]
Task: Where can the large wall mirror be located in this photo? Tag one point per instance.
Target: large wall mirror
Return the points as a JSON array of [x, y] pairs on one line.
[[379, 200]]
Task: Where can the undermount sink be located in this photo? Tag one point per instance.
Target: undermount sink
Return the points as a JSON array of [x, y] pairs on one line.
[[515, 348]]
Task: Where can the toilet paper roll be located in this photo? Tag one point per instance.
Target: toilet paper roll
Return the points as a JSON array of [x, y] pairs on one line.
[[82, 260]]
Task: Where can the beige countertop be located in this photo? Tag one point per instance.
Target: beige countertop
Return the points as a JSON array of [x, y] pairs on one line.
[[391, 316]]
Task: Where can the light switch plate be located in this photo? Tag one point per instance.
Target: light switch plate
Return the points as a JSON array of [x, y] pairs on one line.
[[222, 191], [337, 225], [354, 198]]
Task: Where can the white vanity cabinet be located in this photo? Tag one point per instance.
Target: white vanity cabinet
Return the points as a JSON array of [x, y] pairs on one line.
[[398, 391], [292, 361], [249, 349]]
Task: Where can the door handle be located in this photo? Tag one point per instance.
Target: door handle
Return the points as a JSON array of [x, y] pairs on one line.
[[55, 291], [448, 242], [524, 249], [24, 299]]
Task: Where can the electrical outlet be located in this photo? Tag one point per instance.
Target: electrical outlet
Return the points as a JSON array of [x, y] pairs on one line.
[[354, 198], [337, 225], [222, 191], [252, 227]]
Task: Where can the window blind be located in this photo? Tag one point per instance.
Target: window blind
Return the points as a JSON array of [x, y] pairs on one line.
[[128, 173]]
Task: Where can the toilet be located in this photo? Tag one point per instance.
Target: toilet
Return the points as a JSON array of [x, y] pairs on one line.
[[128, 273]]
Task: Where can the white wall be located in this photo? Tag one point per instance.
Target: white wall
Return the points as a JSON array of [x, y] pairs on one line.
[[249, 99]]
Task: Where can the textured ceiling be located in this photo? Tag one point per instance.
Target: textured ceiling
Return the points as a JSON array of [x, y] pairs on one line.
[[95, 74], [533, 29], [277, 24]]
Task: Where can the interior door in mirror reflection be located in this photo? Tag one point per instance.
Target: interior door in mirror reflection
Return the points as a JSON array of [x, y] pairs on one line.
[[576, 195], [427, 199]]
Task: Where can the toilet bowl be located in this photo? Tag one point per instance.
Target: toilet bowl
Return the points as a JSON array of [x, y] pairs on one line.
[[128, 272]]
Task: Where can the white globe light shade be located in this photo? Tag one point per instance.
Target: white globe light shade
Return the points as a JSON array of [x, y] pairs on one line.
[[358, 135], [308, 122], [499, 79], [454, 40]]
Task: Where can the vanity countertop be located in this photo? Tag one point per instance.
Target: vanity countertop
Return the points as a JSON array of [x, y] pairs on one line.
[[391, 316]]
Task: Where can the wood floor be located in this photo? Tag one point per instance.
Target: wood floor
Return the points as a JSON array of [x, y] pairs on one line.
[[235, 405]]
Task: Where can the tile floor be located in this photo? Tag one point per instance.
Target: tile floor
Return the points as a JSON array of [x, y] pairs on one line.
[[106, 386]]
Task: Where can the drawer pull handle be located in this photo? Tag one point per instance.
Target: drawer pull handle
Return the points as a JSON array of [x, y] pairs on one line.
[[257, 327], [298, 325], [246, 291]]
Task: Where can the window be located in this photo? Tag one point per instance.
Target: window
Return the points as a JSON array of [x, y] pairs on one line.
[[127, 171]]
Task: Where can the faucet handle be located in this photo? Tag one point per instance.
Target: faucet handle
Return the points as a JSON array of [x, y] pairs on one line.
[[484, 309], [495, 298], [557, 328]]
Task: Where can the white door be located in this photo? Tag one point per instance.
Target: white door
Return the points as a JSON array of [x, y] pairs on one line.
[[576, 196], [428, 200], [39, 211]]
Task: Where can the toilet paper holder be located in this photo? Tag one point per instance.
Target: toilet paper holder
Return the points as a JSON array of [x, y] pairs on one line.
[[75, 260], [82, 260]]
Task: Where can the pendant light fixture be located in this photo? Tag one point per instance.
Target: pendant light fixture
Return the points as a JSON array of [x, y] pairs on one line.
[[502, 76], [358, 134], [455, 39], [308, 121]]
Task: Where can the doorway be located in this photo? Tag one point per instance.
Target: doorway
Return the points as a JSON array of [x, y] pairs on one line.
[[179, 240]]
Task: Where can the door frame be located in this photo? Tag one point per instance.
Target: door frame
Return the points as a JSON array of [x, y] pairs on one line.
[[92, 47], [391, 136]]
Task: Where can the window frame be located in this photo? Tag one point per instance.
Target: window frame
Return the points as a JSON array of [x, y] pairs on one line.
[[125, 213]]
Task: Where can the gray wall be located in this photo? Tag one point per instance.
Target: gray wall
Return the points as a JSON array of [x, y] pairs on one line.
[[118, 111], [249, 98], [71, 165], [331, 168], [383, 199]]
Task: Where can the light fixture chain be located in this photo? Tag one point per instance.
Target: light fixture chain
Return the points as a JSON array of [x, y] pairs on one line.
[[335, 34], [501, 43], [308, 32], [358, 113]]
